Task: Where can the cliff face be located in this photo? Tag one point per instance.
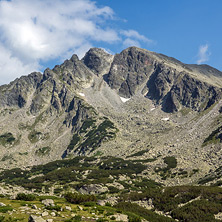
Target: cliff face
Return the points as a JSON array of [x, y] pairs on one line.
[[17, 92], [165, 84], [132, 71], [109, 105]]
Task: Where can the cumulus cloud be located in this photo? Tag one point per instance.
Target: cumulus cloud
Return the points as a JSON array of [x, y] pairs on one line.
[[133, 38], [43, 30], [11, 67], [134, 34], [203, 54]]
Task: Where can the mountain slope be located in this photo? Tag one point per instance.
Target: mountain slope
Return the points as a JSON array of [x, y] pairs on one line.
[[115, 105]]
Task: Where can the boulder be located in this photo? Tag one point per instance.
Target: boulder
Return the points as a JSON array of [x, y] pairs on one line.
[[101, 202], [53, 214], [121, 217], [80, 208], [68, 208], [48, 202], [93, 189], [34, 207], [33, 218], [44, 214]]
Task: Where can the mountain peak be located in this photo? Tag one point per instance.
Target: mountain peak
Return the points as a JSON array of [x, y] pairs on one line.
[[97, 60]]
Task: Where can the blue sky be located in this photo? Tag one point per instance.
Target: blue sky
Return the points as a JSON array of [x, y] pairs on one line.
[[38, 34], [178, 28]]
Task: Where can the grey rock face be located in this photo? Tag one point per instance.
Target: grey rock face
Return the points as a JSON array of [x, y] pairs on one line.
[[130, 69], [173, 90], [193, 94], [53, 89], [97, 60], [73, 72], [18, 91], [164, 83]]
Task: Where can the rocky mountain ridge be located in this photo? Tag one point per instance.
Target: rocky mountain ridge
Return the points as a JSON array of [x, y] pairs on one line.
[[115, 105]]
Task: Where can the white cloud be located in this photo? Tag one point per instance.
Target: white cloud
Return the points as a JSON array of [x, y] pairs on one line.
[[203, 54], [12, 67], [43, 30], [135, 35], [131, 42], [133, 38]]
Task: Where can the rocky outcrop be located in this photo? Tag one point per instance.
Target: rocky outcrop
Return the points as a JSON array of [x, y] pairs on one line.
[[93, 189], [174, 90], [59, 85], [166, 81], [17, 92], [191, 93], [129, 70], [98, 61]]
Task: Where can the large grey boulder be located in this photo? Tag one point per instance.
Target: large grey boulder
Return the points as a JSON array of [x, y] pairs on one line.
[[48, 202], [33, 218], [93, 189]]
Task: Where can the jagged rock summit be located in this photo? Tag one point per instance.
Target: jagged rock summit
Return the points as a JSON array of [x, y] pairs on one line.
[[115, 105]]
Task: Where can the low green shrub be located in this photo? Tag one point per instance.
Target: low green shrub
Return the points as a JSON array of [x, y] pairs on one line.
[[74, 141], [40, 198], [133, 217], [113, 189], [139, 153], [77, 218], [112, 218], [89, 204], [43, 151], [7, 139], [5, 209], [26, 197], [201, 210], [171, 162], [34, 136], [165, 172], [108, 204], [214, 137], [101, 220], [56, 208], [142, 212], [77, 198]]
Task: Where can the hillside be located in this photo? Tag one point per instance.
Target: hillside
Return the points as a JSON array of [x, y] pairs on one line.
[[136, 105]]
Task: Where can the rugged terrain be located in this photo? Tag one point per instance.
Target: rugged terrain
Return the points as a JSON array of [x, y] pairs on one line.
[[136, 105]]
